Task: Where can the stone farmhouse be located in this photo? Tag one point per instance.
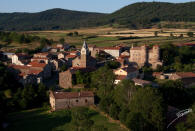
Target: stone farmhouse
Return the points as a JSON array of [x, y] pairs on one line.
[[64, 100], [143, 55]]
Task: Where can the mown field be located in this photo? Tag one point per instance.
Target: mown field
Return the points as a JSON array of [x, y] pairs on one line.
[[107, 36], [42, 120]]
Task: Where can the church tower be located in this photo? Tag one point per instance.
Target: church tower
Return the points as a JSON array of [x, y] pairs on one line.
[[84, 54]]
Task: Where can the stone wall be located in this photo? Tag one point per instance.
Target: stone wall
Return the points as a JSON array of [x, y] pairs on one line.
[[73, 102], [65, 79]]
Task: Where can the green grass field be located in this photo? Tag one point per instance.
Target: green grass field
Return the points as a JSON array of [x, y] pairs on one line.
[[41, 120]]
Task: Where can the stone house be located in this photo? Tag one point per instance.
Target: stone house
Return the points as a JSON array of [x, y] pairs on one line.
[[64, 100], [20, 59], [41, 57], [188, 78], [129, 72], [113, 51], [125, 73], [26, 75], [143, 55], [45, 68]]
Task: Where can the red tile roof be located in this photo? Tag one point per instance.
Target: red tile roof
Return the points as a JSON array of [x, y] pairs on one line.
[[186, 74], [37, 64], [120, 77], [19, 67], [71, 56]]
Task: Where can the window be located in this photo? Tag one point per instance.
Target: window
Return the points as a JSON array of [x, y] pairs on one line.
[[77, 100], [85, 100]]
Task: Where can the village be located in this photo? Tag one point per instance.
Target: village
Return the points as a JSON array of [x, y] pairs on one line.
[[42, 66]]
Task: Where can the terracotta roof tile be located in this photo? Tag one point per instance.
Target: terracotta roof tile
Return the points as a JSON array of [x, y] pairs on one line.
[[37, 64], [186, 74], [120, 77]]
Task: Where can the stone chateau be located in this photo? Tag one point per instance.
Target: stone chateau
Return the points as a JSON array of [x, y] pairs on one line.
[[144, 56]]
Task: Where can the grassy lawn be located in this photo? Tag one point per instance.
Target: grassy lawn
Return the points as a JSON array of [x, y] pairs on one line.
[[41, 120]]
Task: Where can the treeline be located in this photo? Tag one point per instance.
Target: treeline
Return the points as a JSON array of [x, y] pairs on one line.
[[15, 97], [22, 38], [136, 107], [177, 58], [138, 15], [17, 37]]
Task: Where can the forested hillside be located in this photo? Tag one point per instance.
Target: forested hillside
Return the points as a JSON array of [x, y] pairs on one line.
[[138, 15]]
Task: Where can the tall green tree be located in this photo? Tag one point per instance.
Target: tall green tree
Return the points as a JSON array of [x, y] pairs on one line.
[[103, 79], [148, 109]]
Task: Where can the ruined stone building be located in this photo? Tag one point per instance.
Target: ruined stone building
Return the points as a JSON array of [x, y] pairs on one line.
[[64, 100], [143, 55], [66, 78], [84, 60]]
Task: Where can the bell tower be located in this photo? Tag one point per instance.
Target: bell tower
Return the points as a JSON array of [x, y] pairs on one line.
[[84, 55]]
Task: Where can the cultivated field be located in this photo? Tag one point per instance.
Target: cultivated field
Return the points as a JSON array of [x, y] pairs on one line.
[[108, 36]]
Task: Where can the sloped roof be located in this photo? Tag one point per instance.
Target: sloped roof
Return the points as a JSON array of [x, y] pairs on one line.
[[37, 64], [69, 95]]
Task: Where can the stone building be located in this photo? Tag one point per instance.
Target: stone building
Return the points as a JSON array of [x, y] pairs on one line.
[[20, 59], [45, 68], [42, 57], [113, 51], [64, 100], [94, 50], [125, 73], [84, 60], [143, 55], [66, 78]]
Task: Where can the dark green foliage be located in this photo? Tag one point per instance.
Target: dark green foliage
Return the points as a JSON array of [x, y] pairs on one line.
[[82, 78], [156, 33], [113, 64], [54, 19], [146, 111], [114, 111], [138, 15], [174, 92], [81, 118], [190, 34], [17, 37], [63, 68], [177, 58], [62, 40], [103, 80], [127, 88]]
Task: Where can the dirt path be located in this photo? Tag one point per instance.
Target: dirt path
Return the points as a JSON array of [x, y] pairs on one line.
[[109, 118]]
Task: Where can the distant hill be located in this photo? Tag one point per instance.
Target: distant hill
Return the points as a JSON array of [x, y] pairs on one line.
[[138, 15], [53, 19], [147, 13]]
